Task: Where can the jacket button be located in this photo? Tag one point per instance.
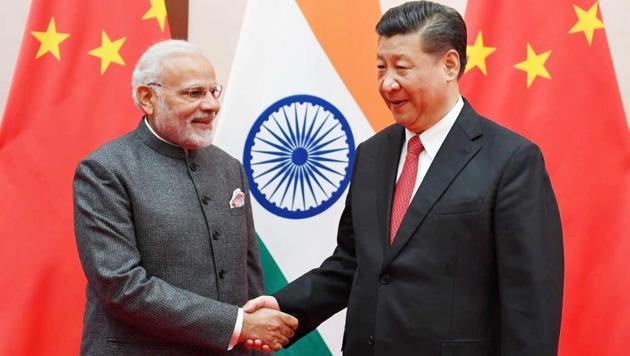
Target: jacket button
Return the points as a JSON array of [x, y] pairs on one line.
[[222, 273], [193, 166], [205, 200], [385, 279], [215, 235], [371, 340]]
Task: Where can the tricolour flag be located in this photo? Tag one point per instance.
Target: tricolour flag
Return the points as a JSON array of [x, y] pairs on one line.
[[71, 92], [301, 94], [543, 68]]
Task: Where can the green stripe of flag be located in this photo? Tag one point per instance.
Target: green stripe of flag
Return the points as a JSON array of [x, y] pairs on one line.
[[311, 344]]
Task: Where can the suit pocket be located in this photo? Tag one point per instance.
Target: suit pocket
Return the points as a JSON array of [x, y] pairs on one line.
[[467, 348], [237, 211], [460, 207]]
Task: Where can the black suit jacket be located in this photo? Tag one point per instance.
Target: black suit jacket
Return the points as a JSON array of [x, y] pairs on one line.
[[476, 267]]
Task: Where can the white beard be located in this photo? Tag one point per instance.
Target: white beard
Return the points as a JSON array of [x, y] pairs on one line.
[[180, 131]]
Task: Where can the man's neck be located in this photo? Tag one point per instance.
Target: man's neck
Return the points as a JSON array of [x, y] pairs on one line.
[[446, 106], [154, 132]]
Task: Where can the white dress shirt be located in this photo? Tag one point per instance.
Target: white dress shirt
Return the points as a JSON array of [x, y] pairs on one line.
[[432, 139]]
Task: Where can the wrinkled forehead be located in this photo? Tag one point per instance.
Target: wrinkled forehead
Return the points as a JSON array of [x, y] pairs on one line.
[[399, 45], [187, 70]]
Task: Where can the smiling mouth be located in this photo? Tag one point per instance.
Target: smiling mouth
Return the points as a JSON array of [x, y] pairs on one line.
[[202, 123], [397, 104]]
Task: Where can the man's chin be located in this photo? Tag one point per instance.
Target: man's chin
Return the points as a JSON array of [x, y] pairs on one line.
[[401, 119], [200, 138]]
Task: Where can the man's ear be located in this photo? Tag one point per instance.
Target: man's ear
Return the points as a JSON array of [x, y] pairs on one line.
[[147, 99], [451, 62]]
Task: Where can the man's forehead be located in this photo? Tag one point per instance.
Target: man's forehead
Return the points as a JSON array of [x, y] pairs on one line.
[[399, 45], [187, 68]]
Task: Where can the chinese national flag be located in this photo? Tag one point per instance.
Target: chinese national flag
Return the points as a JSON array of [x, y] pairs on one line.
[[543, 68], [71, 92]]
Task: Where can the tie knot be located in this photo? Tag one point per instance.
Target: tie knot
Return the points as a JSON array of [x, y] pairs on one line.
[[414, 146]]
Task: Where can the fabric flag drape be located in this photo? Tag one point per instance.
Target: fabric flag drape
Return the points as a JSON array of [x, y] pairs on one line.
[[70, 93], [297, 104], [543, 68]]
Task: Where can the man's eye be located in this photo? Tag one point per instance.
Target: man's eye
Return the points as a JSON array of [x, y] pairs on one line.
[[196, 93]]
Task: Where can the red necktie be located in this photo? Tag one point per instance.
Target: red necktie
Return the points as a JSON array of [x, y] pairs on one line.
[[404, 186]]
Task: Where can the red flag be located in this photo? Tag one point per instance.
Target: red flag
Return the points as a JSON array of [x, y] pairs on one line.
[[543, 68], [71, 92]]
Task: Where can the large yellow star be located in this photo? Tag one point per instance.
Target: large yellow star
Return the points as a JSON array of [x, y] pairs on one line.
[[534, 65], [158, 12], [49, 41], [108, 51], [587, 22], [477, 54]]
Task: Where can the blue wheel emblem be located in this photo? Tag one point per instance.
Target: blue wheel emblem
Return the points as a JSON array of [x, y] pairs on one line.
[[298, 156]]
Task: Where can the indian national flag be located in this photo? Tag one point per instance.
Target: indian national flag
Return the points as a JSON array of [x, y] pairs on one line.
[[292, 117]]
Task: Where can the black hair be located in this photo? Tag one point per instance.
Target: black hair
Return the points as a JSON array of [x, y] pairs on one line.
[[441, 28]]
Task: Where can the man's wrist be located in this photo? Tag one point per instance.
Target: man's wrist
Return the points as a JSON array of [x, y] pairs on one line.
[[238, 326]]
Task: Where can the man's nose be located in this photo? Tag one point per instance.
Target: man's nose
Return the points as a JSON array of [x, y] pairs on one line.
[[389, 82], [210, 103]]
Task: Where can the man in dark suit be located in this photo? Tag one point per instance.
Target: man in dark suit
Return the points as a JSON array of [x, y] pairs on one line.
[[450, 242], [164, 225]]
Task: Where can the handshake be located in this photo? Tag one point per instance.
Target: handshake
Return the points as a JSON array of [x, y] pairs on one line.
[[265, 327]]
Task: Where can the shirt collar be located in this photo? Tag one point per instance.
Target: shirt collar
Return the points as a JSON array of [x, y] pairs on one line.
[[160, 146], [433, 137]]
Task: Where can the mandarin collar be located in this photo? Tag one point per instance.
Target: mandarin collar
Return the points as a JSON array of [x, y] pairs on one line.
[[160, 146]]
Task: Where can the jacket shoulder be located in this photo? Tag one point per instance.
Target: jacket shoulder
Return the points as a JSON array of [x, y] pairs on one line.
[[492, 128], [476, 126], [114, 149], [219, 156]]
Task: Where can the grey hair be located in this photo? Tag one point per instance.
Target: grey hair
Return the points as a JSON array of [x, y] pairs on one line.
[[149, 66]]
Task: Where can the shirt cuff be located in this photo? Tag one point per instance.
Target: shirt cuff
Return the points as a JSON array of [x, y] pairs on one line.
[[237, 329]]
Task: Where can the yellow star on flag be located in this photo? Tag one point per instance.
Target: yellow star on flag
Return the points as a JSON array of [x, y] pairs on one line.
[[108, 51], [158, 12], [49, 41], [587, 22], [477, 54], [534, 65]]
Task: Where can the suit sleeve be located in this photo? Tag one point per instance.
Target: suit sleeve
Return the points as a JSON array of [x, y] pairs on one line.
[[529, 256], [322, 292], [109, 255], [254, 271]]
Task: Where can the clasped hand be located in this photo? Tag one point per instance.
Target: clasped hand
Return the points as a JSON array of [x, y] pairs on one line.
[[265, 327]]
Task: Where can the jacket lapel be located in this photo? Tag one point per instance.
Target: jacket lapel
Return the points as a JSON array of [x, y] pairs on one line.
[[458, 149]]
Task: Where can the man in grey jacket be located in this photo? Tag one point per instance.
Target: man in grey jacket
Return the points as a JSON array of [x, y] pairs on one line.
[[164, 225]]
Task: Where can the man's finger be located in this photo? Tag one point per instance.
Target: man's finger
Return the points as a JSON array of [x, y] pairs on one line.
[[263, 301], [252, 305], [254, 344], [284, 330], [282, 340], [290, 320]]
